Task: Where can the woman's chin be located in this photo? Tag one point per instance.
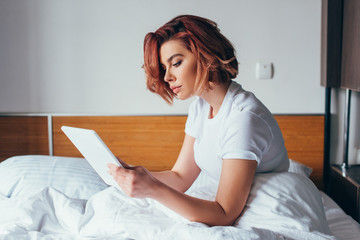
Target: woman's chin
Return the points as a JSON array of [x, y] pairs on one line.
[[182, 97]]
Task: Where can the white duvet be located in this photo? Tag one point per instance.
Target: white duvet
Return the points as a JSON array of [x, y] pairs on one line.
[[280, 206]]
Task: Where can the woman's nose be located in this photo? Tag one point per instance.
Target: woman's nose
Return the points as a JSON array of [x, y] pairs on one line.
[[168, 77]]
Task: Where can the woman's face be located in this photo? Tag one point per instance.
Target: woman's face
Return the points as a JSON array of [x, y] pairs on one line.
[[180, 68]]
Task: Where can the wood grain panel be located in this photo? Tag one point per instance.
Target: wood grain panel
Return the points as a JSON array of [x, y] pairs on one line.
[[155, 141], [331, 37], [152, 141], [304, 141], [23, 135], [350, 71]]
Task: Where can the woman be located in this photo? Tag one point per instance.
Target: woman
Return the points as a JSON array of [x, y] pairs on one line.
[[230, 134]]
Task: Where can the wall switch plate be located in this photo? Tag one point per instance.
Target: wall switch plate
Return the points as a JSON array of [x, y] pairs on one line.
[[264, 70]]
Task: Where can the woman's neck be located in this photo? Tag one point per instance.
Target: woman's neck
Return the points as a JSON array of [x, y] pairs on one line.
[[215, 97]]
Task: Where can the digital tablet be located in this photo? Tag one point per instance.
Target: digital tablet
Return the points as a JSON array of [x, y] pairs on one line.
[[95, 151]]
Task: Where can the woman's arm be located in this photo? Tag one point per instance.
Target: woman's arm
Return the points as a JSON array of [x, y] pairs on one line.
[[185, 170], [235, 183], [234, 187]]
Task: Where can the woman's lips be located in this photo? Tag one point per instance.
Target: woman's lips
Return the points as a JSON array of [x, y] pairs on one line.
[[176, 89]]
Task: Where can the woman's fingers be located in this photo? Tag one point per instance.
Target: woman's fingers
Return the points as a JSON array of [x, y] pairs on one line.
[[123, 163], [124, 176], [116, 170], [134, 181]]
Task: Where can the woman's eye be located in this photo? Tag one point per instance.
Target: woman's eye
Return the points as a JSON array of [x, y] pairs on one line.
[[177, 64]]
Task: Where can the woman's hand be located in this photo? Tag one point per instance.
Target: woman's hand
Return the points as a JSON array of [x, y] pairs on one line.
[[134, 181]]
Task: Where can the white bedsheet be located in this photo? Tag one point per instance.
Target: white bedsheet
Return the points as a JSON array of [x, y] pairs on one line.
[[341, 225], [280, 206]]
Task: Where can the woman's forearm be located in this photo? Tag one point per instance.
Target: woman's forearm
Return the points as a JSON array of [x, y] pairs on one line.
[[173, 180], [185, 170], [193, 209], [168, 189]]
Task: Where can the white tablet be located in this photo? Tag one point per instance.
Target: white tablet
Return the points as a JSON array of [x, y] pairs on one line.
[[94, 150]]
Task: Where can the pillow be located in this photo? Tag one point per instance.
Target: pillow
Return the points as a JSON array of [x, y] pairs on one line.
[[285, 202], [24, 175], [299, 168], [295, 167]]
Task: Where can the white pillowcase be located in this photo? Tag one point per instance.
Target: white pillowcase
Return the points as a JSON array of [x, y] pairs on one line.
[[284, 201], [299, 168], [25, 175]]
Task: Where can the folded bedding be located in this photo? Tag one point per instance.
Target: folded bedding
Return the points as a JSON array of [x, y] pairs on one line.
[[74, 206]]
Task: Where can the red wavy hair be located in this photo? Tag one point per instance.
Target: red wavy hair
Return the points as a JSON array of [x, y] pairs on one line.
[[216, 60]]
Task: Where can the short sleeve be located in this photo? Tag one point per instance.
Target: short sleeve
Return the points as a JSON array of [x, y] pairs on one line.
[[246, 136]]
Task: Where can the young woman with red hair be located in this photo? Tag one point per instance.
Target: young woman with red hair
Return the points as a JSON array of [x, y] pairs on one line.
[[230, 134]]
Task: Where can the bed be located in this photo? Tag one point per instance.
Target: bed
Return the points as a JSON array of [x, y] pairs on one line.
[[48, 191]]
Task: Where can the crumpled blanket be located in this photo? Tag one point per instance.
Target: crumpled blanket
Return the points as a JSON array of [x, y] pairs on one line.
[[280, 206]]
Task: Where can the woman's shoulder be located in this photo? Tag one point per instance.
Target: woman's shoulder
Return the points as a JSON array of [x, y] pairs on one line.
[[246, 109], [245, 101]]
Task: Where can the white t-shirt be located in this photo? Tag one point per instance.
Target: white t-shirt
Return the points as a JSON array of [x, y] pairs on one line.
[[242, 129]]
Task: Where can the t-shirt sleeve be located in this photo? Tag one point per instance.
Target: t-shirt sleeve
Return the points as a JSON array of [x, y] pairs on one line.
[[246, 136]]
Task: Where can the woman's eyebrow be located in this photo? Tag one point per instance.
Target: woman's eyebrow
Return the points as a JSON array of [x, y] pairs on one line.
[[173, 56]]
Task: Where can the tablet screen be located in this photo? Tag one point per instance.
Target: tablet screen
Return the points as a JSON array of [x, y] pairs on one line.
[[94, 150]]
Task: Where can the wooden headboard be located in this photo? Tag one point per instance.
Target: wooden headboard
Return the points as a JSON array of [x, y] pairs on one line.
[[155, 141]]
